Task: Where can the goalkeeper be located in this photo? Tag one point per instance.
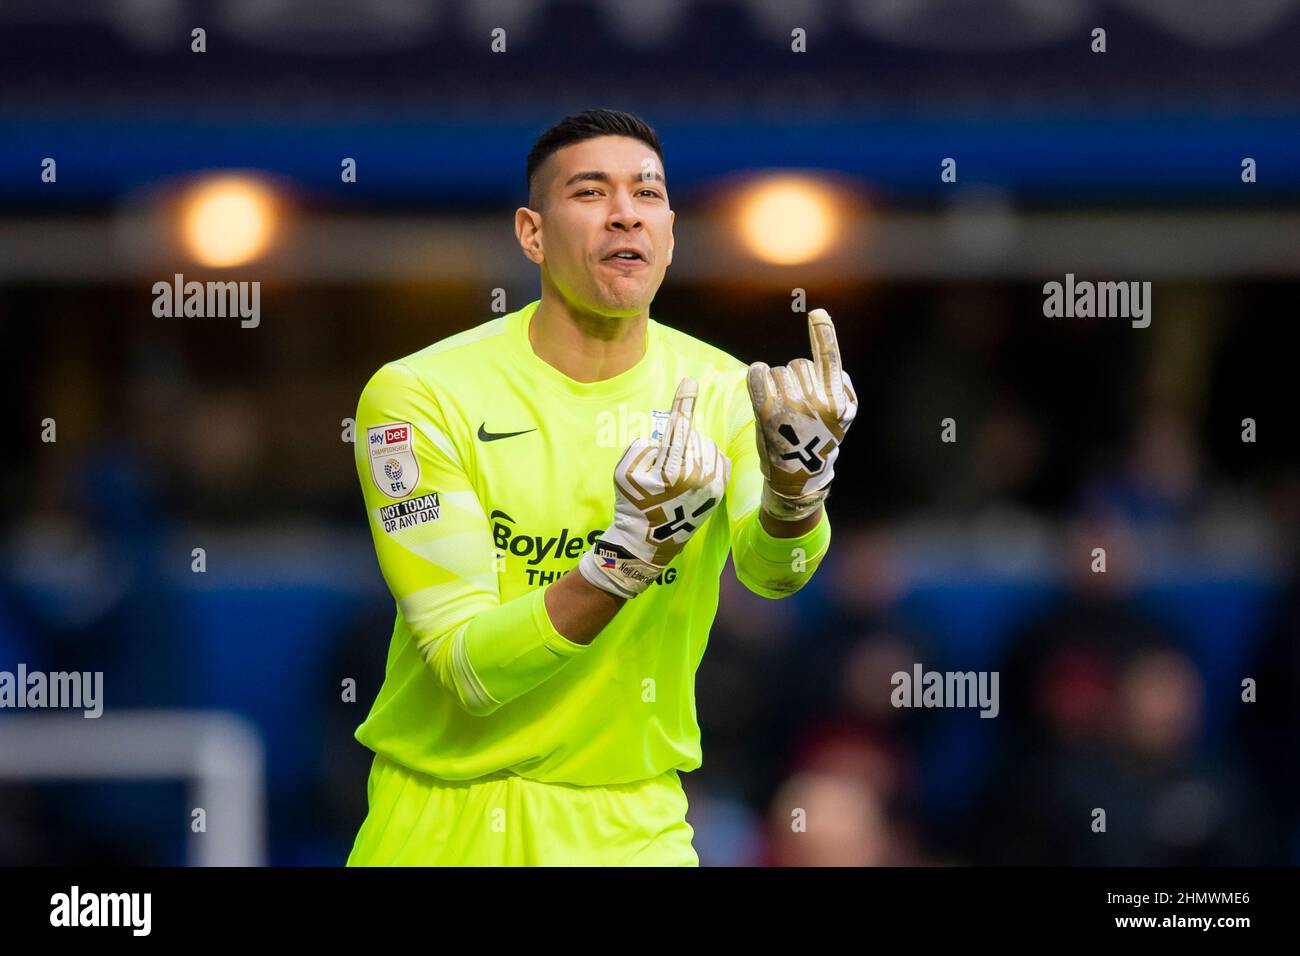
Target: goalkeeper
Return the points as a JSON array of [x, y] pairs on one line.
[[531, 715]]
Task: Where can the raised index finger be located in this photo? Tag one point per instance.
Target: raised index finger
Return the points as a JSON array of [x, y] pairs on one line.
[[672, 443], [826, 355]]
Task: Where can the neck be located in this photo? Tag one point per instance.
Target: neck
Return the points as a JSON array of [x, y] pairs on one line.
[[584, 345]]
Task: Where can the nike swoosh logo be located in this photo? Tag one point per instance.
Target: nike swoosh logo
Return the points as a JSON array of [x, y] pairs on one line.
[[485, 435]]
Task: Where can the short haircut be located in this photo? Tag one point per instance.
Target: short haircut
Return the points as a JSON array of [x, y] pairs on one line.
[[582, 126]]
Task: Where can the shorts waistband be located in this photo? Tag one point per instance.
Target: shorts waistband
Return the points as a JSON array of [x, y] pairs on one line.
[[671, 775]]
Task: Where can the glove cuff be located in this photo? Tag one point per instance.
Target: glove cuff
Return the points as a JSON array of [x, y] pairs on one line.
[[785, 508], [613, 568]]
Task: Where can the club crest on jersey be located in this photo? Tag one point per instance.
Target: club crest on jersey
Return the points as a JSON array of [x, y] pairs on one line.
[[659, 421], [393, 464]]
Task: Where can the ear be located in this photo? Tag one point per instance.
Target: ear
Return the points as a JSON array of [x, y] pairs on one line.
[[672, 218], [528, 230]]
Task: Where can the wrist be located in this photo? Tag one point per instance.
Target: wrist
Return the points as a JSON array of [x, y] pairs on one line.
[[785, 508], [613, 568], [786, 530]]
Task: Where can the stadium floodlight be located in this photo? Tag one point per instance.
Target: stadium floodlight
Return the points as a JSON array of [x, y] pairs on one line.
[[788, 219], [228, 220]]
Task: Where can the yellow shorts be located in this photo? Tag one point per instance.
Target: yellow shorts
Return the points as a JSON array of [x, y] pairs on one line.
[[508, 820]]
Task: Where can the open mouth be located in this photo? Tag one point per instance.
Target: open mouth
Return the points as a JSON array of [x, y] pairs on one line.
[[625, 255]]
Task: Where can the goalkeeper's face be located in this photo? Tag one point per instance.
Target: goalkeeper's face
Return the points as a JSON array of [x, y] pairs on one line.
[[604, 234]]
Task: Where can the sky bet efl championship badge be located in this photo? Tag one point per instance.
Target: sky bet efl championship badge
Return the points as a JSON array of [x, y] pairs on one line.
[[392, 458]]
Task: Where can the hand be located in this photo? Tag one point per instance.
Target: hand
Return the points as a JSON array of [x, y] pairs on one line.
[[663, 492], [801, 414]]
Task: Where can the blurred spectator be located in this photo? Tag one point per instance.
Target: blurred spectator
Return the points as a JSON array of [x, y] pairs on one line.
[[1270, 725], [1164, 803], [1159, 480], [829, 818]]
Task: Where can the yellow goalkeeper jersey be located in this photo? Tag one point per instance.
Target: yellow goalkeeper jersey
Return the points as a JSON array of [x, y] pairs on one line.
[[486, 473]]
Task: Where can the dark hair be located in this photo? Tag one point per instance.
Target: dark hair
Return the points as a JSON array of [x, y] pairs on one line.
[[588, 125]]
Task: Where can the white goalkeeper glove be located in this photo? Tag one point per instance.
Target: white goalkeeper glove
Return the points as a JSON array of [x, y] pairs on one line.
[[664, 490], [801, 413]]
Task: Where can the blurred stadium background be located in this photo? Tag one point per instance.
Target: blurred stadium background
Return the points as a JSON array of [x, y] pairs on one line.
[[1120, 690]]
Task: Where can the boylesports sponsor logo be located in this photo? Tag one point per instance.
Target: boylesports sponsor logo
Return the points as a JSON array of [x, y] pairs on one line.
[[567, 547]]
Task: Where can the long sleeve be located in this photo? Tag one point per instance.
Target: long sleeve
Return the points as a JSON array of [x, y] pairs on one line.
[[435, 549], [768, 566]]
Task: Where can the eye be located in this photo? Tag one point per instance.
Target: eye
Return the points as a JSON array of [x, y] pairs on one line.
[[653, 193], [589, 189]]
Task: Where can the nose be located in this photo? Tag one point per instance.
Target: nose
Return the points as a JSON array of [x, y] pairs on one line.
[[623, 215]]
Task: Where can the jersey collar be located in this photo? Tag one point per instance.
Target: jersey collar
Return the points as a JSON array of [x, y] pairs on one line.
[[622, 385]]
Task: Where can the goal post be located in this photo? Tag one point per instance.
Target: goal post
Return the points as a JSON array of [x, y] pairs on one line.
[[219, 754]]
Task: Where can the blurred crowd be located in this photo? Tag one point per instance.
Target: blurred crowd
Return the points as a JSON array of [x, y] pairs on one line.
[[1161, 691]]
